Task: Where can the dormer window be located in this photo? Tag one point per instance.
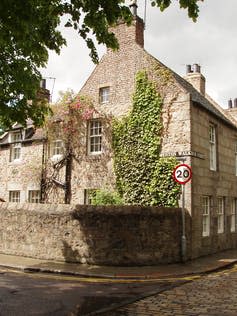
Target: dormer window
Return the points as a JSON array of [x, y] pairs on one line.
[[104, 94], [16, 136], [15, 140]]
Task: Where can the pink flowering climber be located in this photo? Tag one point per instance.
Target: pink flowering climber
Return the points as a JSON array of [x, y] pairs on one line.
[[87, 114]]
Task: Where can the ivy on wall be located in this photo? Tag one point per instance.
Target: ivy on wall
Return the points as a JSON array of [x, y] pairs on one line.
[[142, 176]]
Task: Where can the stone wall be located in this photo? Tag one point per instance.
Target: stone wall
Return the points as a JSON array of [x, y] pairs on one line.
[[121, 235]]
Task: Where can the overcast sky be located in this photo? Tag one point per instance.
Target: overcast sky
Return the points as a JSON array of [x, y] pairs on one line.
[[173, 39]]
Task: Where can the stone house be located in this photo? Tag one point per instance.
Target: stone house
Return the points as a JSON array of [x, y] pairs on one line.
[[21, 152], [196, 131]]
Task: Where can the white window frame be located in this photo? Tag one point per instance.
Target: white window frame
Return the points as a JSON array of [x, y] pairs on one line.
[[34, 196], [104, 94], [15, 136], [15, 196], [212, 147], [206, 202], [233, 215], [220, 215], [56, 149], [15, 149], [95, 137], [15, 152]]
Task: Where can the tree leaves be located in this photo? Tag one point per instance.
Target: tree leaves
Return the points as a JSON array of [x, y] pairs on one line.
[[28, 29], [190, 5]]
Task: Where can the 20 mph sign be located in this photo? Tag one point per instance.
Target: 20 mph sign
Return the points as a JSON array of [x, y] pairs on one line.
[[182, 173]]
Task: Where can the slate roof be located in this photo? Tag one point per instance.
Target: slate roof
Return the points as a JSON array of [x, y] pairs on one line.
[[31, 134], [205, 101]]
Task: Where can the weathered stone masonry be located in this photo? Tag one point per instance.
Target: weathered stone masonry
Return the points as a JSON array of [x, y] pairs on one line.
[[126, 235]]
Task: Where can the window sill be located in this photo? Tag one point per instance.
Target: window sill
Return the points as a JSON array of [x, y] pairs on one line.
[[15, 161], [56, 158], [94, 157], [97, 153]]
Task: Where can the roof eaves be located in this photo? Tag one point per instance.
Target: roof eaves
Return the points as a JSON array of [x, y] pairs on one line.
[[216, 115], [205, 101]]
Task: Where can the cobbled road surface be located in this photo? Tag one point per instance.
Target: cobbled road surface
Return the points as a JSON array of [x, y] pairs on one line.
[[210, 295]]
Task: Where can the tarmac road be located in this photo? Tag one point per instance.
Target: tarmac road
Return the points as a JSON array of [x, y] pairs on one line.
[[23, 294]]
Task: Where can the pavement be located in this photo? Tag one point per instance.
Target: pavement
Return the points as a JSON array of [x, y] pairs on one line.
[[198, 266]]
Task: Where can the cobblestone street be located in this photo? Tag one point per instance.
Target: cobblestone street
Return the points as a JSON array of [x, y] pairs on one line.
[[211, 295]]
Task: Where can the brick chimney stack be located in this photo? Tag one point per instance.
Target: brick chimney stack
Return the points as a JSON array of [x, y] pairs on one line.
[[130, 34], [194, 76]]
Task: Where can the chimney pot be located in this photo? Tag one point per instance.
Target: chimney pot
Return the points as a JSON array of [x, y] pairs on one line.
[[235, 103], [230, 104], [195, 77], [196, 68], [43, 84], [133, 7], [188, 69]]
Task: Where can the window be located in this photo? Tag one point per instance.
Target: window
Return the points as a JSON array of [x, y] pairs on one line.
[[15, 150], [95, 137], [233, 216], [88, 196], [236, 158], [220, 215], [57, 148], [14, 196], [205, 216], [212, 144], [34, 196], [16, 136], [104, 94]]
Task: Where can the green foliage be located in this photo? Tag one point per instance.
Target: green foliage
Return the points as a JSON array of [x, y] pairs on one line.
[[137, 145], [68, 121], [103, 197], [190, 5], [163, 189], [29, 28]]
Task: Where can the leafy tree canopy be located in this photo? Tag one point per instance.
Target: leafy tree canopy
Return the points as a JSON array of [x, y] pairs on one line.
[[28, 29], [190, 5]]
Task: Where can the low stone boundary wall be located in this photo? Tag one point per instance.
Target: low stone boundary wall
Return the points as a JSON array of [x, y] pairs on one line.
[[106, 235]]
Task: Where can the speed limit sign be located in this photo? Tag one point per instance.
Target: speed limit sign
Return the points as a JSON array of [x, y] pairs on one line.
[[182, 173]]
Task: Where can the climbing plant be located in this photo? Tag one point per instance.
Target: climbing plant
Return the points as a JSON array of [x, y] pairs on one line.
[[142, 176], [68, 125], [105, 197], [70, 115]]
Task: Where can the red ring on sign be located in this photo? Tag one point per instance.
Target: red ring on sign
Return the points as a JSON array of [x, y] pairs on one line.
[[190, 173]]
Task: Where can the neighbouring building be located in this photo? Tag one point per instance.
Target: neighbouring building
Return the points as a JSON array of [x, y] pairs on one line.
[[196, 130], [21, 153]]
